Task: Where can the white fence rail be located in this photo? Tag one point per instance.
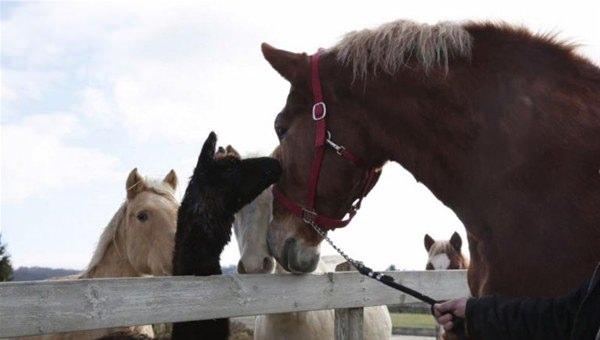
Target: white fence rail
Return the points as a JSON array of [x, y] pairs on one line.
[[42, 307]]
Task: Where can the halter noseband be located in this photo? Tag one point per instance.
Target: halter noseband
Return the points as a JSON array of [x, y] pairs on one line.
[[323, 139]]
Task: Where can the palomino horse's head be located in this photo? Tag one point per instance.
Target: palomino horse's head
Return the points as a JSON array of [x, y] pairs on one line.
[[291, 241], [445, 254], [148, 227]]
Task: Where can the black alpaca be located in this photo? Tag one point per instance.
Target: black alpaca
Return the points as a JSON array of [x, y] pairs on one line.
[[219, 187]]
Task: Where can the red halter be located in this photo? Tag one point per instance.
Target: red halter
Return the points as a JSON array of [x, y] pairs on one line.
[[322, 140]]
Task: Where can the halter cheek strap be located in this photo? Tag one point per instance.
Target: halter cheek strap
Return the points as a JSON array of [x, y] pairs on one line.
[[323, 139]]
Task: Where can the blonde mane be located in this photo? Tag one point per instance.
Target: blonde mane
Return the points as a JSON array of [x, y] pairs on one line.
[[110, 231], [390, 46]]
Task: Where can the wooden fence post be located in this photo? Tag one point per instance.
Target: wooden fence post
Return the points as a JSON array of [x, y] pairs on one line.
[[348, 321]]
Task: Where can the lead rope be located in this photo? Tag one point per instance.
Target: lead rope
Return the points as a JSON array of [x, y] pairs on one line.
[[459, 323]]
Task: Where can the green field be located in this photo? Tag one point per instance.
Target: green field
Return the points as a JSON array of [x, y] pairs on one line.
[[413, 320]]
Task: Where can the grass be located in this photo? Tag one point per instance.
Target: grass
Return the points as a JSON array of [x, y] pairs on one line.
[[413, 320]]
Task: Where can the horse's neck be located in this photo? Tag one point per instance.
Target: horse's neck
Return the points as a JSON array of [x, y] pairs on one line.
[[436, 147], [114, 263], [507, 158]]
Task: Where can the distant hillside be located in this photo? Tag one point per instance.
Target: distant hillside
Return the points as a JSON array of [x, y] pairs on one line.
[[40, 273]]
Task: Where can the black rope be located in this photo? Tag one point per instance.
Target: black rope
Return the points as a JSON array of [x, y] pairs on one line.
[[458, 322]]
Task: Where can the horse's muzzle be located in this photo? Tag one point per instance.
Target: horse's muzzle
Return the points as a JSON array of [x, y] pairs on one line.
[[297, 260]]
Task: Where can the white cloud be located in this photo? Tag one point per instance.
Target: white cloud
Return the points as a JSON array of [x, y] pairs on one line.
[[36, 157], [147, 73], [96, 106], [28, 84]]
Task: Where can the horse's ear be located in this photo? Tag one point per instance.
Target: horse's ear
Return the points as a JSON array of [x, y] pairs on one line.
[[456, 241], [292, 66], [429, 241], [134, 184], [221, 153], [171, 179], [207, 155], [232, 152]]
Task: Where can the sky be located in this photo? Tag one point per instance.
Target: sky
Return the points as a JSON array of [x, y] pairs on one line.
[[91, 90]]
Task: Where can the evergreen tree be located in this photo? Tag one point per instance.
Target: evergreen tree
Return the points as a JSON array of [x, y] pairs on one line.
[[5, 266]]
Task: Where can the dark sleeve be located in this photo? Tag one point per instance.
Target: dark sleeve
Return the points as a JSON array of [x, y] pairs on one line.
[[494, 317]]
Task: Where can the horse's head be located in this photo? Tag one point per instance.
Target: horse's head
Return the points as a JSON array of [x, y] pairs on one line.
[[443, 255], [149, 224], [293, 243], [250, 227]]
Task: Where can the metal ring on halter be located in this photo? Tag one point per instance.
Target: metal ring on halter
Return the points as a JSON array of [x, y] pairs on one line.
[[314, 111]]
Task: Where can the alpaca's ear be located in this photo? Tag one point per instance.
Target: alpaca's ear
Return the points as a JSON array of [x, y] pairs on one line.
[[207, 155], [134, 184], [456, 241], [294, 67], [429, 241], [232, 152], [171, 179]]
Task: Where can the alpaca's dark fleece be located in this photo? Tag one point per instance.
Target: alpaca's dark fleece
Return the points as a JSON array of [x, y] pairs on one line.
[[220, 186]]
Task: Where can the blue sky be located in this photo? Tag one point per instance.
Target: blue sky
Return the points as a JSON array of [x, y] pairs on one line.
[[91, 90]]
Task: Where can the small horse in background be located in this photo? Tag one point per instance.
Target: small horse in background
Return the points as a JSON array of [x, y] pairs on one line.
[[445, 255], [251, 227], [138, 241]]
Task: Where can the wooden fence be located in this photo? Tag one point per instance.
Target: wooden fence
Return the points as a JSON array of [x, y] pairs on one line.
[[42, 307]]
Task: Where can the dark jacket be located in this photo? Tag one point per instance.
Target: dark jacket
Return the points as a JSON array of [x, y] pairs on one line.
[[575, 316]]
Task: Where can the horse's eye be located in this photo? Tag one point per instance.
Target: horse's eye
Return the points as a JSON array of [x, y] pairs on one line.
[[142, 216], [280, 131]]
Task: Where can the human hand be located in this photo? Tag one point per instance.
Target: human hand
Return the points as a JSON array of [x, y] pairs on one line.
[[445, 312]]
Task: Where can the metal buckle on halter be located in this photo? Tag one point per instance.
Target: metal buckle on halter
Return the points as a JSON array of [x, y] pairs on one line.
[[339, 149], [323, 109], [308, 216]]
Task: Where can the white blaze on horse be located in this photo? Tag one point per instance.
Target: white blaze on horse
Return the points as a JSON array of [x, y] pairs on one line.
[[138, 241], [251, 227], [445, 255]]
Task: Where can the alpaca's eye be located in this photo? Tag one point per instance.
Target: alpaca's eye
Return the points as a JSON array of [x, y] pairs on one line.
[[142, 216]]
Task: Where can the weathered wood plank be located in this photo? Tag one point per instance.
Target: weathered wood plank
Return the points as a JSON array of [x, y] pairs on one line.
[[349, 323], [30, 308]]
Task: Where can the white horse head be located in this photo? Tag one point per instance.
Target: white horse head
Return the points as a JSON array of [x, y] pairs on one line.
[[250, 227]]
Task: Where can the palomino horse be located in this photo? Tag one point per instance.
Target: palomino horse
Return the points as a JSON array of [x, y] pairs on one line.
[[501, 125], [445, 255], [250, 226], [137, 241]]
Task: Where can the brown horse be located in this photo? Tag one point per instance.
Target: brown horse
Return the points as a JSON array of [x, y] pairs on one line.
[[445, 255], [503, 126]]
